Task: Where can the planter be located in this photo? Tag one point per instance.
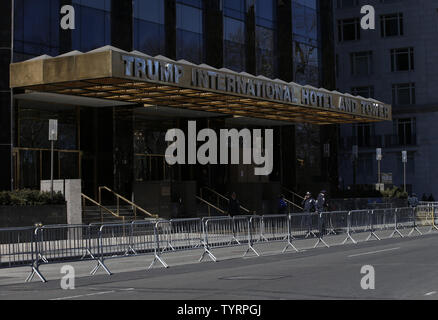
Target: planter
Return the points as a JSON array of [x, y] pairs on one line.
[[25, 216]]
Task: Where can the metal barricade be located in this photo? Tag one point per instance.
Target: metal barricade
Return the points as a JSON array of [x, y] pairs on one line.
[[360, 221], [123, 240], [425, 217], [222, 232], [17, 248], [377, 218], [181, 234], [337, 222], [406, 218], [64, 243], [304, 224], [275, 227]]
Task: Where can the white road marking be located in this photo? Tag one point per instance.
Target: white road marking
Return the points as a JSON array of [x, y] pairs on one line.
[[84, 295], [372, 252], [430, 293]]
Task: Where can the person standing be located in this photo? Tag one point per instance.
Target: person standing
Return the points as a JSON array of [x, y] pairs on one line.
[[321, 207], [308, 205], [234, 206], [413, 201], [282, 205]]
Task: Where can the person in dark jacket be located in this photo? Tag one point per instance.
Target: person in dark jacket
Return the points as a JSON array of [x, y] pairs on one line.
[[308, 205], [413, 201], [282, 205], [322, 206], [234, 206]]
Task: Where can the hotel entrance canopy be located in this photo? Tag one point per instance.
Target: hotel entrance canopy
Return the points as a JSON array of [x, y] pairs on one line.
[[132, 77]]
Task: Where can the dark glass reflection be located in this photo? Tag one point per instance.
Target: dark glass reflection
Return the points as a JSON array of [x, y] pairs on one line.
[[149, 36], [93, 24], [265, 37], [189, 33], [234, 35], [36, 28]]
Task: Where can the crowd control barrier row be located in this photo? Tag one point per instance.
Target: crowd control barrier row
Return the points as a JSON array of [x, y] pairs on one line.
[[36, 246]]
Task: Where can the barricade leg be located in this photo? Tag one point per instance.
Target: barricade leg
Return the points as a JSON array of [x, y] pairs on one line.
[[100, 263], [331, 229], [251, 248], [157, 256], [250, 240], [372, 231], [207, 252], [289, 237], [205, 245], [372, 235], [100, 260], [414, 224], [321, 232], [349, 237], [35, 271]]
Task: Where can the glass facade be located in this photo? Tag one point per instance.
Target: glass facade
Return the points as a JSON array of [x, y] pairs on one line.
[[93, 24], [148, 28], [36, 28], [189, 31], [89, 146], [234, 34], [266, 37], [306, 42]]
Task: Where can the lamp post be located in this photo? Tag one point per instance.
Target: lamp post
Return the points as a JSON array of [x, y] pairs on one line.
[[404, 160], [53, 136]]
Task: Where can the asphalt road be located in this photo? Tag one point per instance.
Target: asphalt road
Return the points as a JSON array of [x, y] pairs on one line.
[[404, 269]]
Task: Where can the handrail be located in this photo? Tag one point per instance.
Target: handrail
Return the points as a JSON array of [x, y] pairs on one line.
[[118, 196], [85, 197], [210, 205], [293, 193], [223, 197], [291, 203]]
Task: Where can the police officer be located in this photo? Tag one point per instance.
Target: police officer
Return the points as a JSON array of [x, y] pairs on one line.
[[413, 201], [308, 205], [322, 206]]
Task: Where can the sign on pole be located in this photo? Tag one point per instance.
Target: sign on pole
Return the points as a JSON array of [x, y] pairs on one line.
[[53, 136], [53, 130], [327, 150], [379, 154], [404, 156]]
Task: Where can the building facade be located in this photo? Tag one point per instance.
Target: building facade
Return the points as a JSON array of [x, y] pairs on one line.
[[121, 145], [395, 63]]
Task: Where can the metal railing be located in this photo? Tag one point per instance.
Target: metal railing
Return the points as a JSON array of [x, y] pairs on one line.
[[36, 246], [211, 206], [220, 197], [101, 208], [119, 198], [295, 196]]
